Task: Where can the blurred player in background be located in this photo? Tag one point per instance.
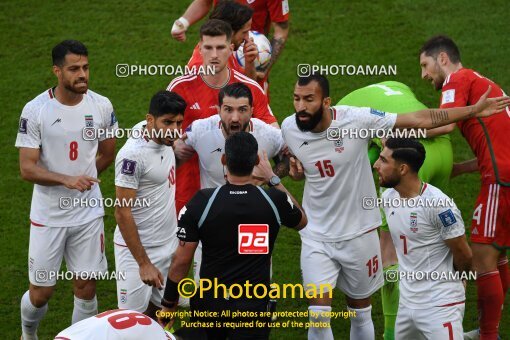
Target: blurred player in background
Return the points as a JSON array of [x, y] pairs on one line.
[[429, 238], [125, 324], [392, 96], [267, 14], [488, 138], [201, 95], [145, 237], [240, 19], [340, 245], [63, 165]]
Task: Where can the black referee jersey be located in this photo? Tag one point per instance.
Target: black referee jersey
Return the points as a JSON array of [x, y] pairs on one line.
[[237, 225]]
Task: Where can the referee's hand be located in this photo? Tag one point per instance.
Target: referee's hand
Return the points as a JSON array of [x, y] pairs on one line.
[[150, 275]]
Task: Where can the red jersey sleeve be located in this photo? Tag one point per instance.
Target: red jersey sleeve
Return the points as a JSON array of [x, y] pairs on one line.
[[455, 92], [196, 58], [261, 109], [278, 10]]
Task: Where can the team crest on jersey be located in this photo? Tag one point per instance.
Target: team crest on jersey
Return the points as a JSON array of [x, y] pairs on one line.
[[414, 222], [23, 122], [447, 218], [128, 167], [123, 295], [339, 145], [89, 121]]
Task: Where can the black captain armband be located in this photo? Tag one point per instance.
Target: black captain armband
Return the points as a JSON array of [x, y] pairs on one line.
[[171, 294]]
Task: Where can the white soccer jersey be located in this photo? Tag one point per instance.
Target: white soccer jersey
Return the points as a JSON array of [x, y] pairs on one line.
[[150, 169], [338, 174], [418, 234], [118, 324], [57, 130], [206, 137]]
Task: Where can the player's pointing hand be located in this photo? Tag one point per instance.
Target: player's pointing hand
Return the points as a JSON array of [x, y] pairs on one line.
[[150, 275], [488, 106], [80, 183]]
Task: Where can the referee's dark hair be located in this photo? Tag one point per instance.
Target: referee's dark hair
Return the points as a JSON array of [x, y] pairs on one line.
[[236, 14], [60, 51], [441, 43], [241, 153], [165, 102], [319, 78], [235, 90], [408, 151]]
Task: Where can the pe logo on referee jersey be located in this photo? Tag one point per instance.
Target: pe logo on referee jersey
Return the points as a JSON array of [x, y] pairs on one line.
[[447, 218], [253, 239]]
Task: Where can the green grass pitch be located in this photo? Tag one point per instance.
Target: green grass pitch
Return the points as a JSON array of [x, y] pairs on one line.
[[321, 32]]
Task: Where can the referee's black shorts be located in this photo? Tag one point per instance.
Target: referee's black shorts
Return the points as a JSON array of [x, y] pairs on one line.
[[232, 327]]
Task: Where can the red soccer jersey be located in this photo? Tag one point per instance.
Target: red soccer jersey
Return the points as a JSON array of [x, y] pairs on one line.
[[487, 137], [202, 101], [265, 12]]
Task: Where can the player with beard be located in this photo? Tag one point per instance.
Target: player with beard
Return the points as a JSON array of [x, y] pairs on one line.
[[201, 95], [63, 165], [340, 245], [488, 138], [428, 233], [145, 237]]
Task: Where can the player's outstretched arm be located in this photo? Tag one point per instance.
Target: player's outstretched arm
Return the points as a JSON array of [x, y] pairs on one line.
[[149, 274], [280, 34], [105, 154], [432, 118], [464, 167], [195, 12], [462, 255], [32, 172]]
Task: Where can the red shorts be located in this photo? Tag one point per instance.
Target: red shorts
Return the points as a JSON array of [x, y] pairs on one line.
[[491, 218], [187, 182]]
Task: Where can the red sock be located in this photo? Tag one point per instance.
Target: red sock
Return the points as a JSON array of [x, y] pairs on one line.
[[490, 302], [504, 273]]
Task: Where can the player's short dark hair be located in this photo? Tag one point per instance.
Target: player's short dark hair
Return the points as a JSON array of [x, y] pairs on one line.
[[236, 14], [165, 102], [216, 28], [408, 151], [441, 43], [319, 78], [241, 152], [235, 90], [59, 52]]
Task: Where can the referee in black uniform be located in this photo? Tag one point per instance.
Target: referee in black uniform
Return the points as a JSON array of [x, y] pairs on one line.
[[237, 224]]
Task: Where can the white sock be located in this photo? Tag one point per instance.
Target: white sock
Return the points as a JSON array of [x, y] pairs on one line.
[[362, 327], [319, 333], [30, 317], [84, 309]]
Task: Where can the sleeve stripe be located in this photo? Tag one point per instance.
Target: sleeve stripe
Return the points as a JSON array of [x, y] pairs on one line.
[[179, 80], [245, 79]]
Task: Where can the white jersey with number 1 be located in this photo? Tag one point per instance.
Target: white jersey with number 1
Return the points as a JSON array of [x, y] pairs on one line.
[[57, 130], [118, 324], [418, 232], [338, 173]]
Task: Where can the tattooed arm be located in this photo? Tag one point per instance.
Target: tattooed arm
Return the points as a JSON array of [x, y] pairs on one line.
[[432, 118], [281, 31]]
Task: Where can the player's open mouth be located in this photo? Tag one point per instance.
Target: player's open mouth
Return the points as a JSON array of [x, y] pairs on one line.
[[304, 117], [235, 128]]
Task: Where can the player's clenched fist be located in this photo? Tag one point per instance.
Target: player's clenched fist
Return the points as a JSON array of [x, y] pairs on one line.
[[80, 183], [179, 29], [150, 275], [296, 171]]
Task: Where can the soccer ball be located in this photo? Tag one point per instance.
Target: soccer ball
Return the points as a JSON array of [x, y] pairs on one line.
[[264, 48]]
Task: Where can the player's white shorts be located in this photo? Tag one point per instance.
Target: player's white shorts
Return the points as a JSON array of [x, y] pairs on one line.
[[132, 293], [81, 246], [431, 323], [354, 266]]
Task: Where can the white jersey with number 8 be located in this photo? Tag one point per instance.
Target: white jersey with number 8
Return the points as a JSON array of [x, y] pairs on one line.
[[57, 130]]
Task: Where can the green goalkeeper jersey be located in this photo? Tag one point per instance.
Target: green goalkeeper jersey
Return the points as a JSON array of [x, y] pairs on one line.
[[392, 96]]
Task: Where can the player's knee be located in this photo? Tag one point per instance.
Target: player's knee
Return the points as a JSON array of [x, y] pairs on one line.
[[84, 289], [39, 296], [358, 303], [360, 316]]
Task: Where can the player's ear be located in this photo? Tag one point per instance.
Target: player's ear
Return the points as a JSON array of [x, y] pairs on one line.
[[326, 101], [443, 58], [150, 119], [258, 160], [223, 159], [57, 71]]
